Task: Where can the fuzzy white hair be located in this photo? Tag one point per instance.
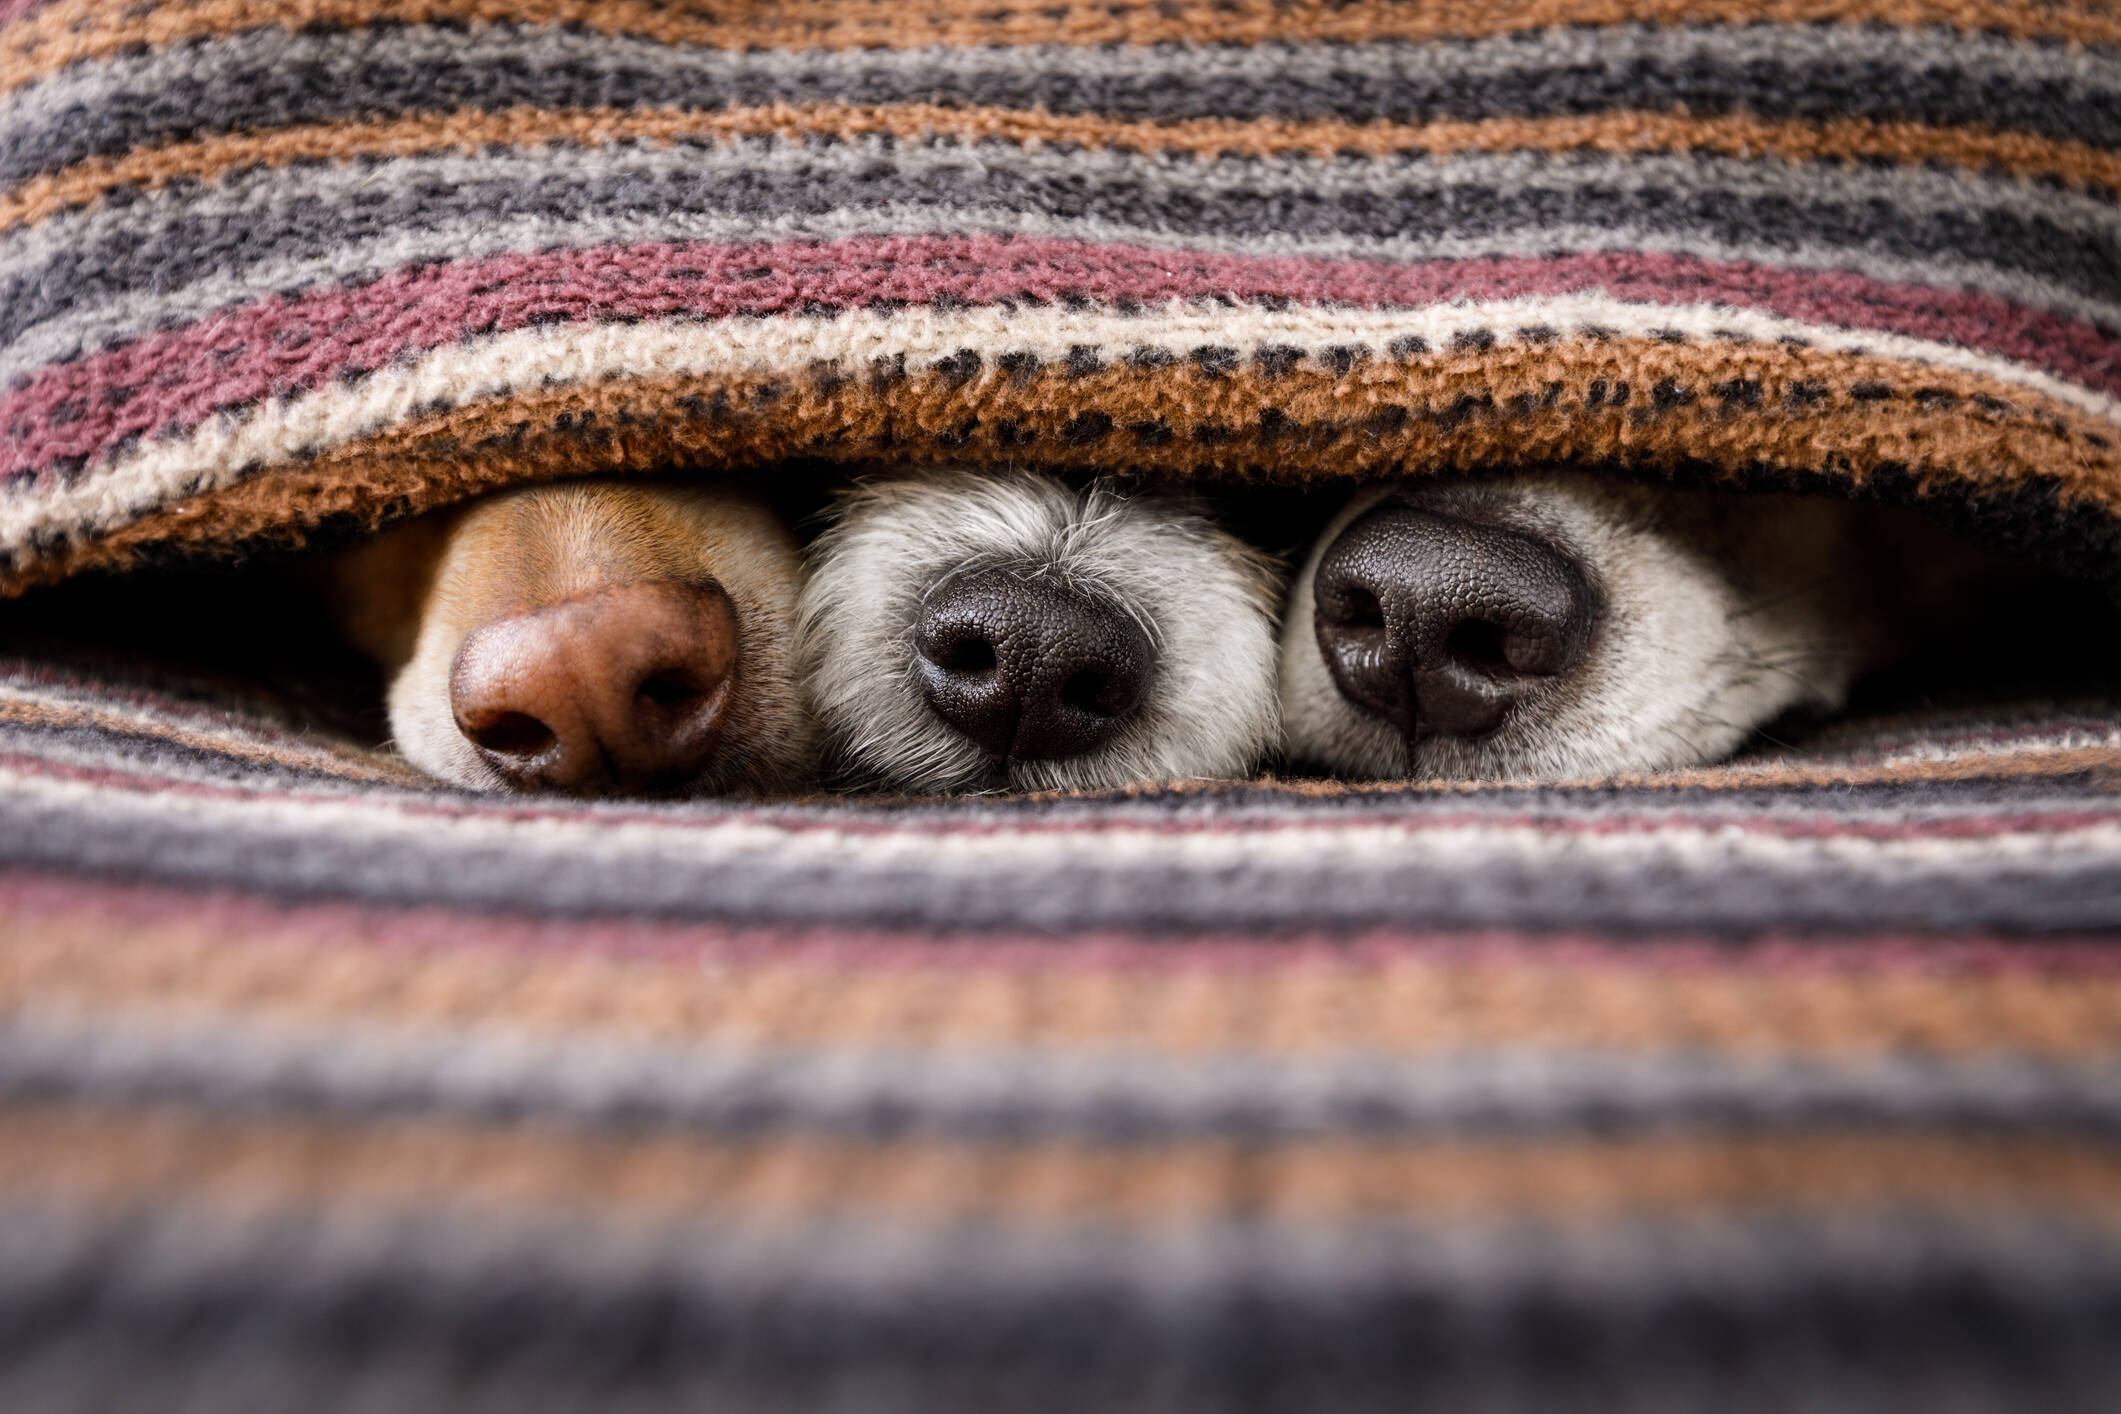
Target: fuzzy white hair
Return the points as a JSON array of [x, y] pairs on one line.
[[1204, 600], [1721, 612]]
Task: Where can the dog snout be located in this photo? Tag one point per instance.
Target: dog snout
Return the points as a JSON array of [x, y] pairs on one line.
[[1027, 666], [620, 689], [1441, 625]]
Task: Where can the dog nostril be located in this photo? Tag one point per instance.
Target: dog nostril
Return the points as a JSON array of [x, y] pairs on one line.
[[1101, 694], [1359, 608], [665, 691], [512, 734], [1440, 626], [1029, 667], [1477, 643], [968, 654]]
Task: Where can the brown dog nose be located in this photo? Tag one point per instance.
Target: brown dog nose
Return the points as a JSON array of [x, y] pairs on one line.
[[1440, 625], [1027, 666], [621, 689]]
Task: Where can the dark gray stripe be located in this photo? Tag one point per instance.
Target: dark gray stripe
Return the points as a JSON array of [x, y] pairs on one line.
[[271, 77], [291, 217], [1275, 881], [447, 1308], [493, 1073]]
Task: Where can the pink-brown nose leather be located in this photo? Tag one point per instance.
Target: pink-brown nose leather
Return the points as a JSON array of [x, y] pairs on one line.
[[622, 689]]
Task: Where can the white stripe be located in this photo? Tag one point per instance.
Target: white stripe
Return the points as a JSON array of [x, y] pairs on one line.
[[229, 447], [1327, 844]]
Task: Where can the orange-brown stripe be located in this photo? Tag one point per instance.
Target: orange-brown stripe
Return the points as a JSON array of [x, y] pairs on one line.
[[1831, 418], [205, 159], [316, 967], [113, 1157], [73, 30]]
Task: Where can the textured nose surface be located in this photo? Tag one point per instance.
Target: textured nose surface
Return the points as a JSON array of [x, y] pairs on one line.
[[622, 689], [1027, 666], [1440, 625]]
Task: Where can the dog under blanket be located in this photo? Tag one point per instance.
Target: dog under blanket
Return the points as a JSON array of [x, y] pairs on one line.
[[1793, 1083]]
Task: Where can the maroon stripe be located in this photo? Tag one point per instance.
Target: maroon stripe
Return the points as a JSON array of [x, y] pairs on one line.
[[30, 900], [169, 383]]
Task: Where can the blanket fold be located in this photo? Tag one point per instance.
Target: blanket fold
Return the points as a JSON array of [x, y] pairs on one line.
[[267, 264]]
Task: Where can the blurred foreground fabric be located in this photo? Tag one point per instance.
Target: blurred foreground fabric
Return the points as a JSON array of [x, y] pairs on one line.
[[1788, 1086]]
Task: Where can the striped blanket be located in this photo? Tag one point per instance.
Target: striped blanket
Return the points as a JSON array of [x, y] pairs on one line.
[[1789, 1084]]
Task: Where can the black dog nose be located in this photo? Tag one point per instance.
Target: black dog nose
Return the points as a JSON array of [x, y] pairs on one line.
[[1029, 667], [1440, 625]]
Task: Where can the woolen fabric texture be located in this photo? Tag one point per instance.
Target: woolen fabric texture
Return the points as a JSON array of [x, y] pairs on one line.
[[1791, 1084]]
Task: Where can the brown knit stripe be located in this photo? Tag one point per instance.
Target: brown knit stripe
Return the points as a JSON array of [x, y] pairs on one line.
[[309, 966], [112, 1157], [1737, 406], [310, 754], [470, 130], [73, 30]]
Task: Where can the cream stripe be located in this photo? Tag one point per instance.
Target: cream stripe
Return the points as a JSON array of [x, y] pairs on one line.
[[229, 447], [759, 850]]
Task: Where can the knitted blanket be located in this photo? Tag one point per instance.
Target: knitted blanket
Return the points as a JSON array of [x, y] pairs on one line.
[[1790, 1084]]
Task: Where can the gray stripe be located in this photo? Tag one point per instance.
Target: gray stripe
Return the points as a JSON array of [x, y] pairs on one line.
[[80, 280], [1634, 1260], [272, 76], [1822, 1310], [497, 1073], [1324, 880], [1887, 804], [152, 750]]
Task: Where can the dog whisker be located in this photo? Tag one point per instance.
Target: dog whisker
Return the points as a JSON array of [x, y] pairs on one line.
[[1820, 585]]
